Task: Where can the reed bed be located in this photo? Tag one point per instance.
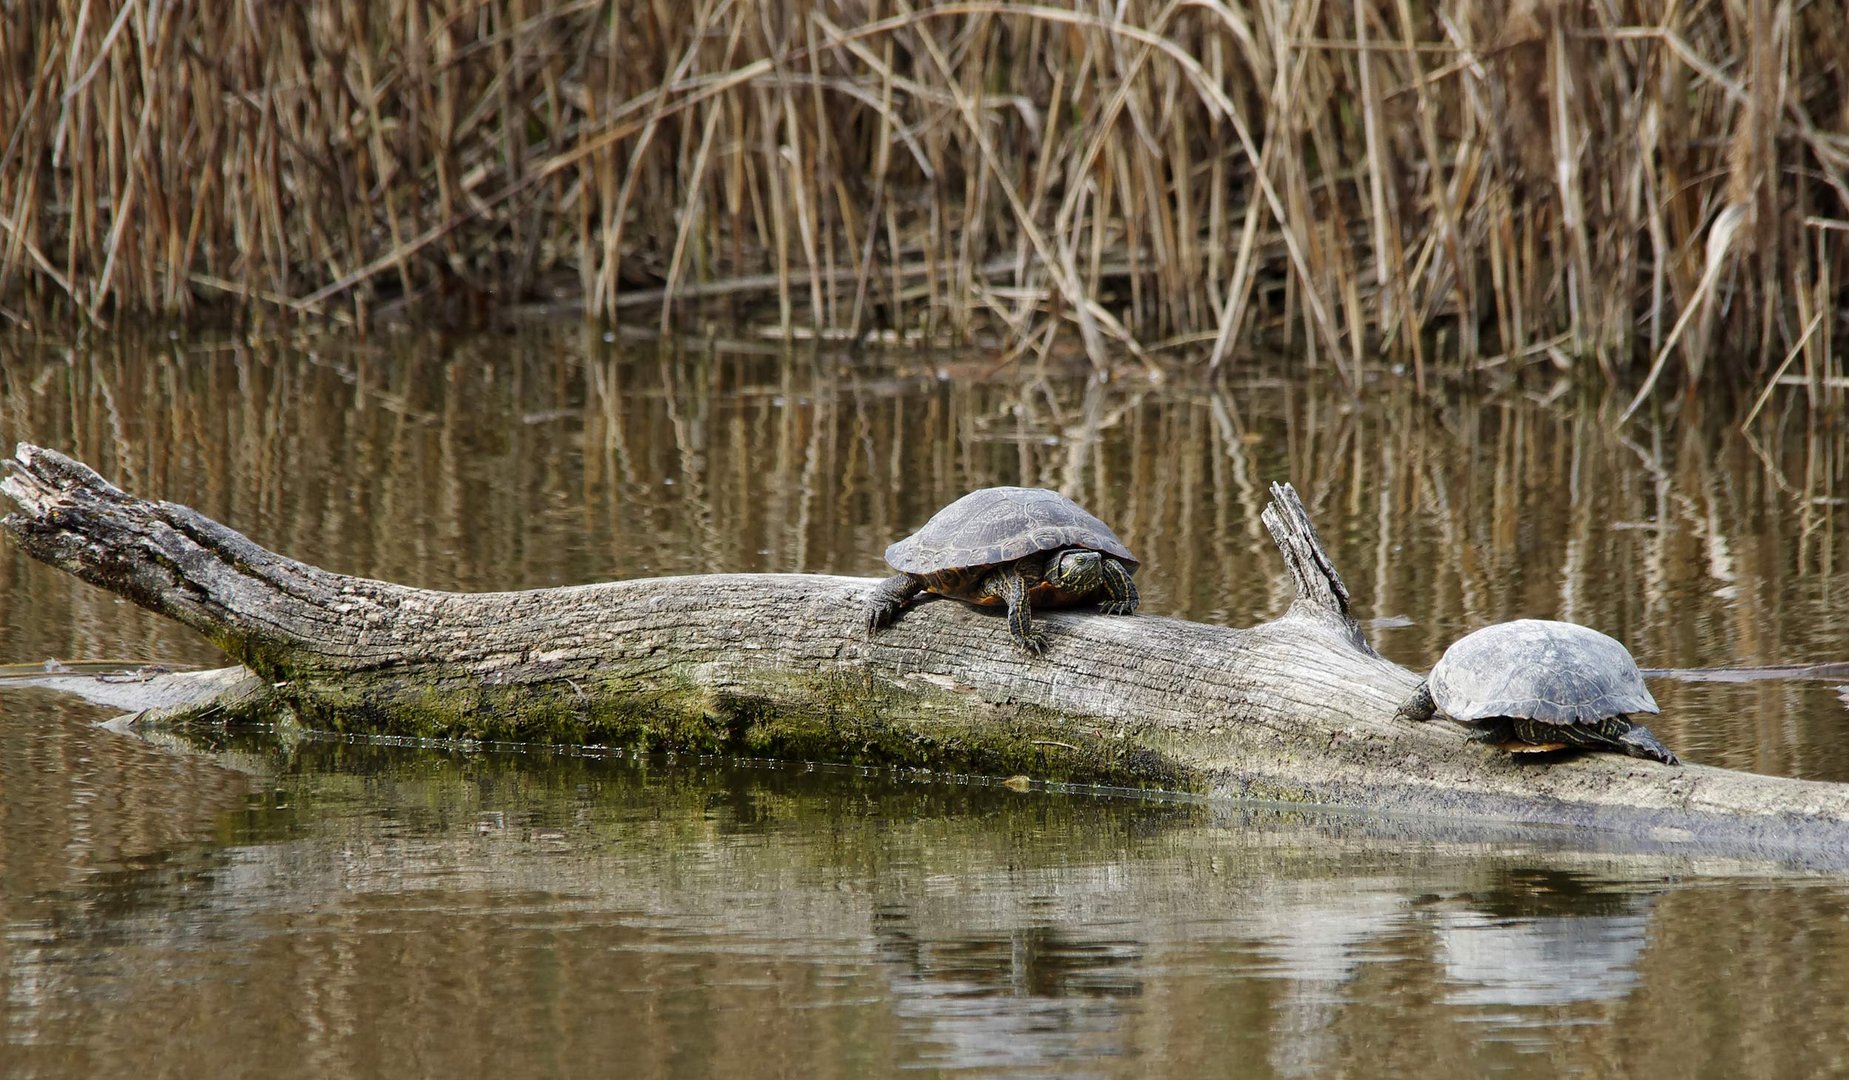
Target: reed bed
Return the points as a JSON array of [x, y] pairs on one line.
[[1638, 188]]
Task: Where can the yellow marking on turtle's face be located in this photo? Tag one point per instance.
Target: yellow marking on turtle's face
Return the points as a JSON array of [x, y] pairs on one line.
[[1077, 572]]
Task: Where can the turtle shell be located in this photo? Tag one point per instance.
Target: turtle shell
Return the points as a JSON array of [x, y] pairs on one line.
[[999, 525], [1533, 669]]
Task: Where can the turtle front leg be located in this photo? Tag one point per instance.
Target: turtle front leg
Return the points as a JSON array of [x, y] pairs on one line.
[[1119, 590], [1011, 586], [1420, 705], [889, 599], [1638, 741]]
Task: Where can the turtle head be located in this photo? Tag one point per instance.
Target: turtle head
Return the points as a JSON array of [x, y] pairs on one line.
[[1076, 570]]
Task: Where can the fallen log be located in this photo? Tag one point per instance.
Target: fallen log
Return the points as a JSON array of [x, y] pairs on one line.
[[1299, 709]]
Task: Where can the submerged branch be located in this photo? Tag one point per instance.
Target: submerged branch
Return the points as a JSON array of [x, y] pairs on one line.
[[1297, 709]]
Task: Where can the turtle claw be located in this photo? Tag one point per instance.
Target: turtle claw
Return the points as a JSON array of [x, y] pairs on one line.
[[1120, 595], [887, 601], [1033, 643], [878, 615]]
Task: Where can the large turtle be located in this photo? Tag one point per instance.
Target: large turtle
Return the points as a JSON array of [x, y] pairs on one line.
[[1535, 685], [1009, 545]]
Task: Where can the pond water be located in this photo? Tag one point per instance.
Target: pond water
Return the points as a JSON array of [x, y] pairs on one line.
[[242, 903]]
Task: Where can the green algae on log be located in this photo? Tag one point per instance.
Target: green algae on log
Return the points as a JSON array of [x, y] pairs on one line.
[[1297, 709]]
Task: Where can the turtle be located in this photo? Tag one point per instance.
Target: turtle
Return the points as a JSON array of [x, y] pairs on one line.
[[1535, 685], [1012, 546]]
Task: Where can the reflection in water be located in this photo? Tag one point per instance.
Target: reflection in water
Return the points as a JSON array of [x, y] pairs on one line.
[[1548, 960], [1319, 940], [1063, 998], [332, 909], [1315, 939], [357, 910], [1540, 936]]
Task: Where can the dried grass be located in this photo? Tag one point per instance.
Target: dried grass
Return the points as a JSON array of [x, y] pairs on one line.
[[1638, 184]]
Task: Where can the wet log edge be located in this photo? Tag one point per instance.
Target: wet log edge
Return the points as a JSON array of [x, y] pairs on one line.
[[1299, 709]]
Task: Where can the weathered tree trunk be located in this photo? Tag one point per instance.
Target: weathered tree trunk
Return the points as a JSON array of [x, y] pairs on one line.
[[1297, 709]]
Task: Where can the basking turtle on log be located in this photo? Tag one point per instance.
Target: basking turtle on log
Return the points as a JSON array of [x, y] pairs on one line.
[[1299, 709], [1534, 685], [1023, 547]]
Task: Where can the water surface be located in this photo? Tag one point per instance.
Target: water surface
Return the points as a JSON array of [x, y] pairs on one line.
[[241, 903]]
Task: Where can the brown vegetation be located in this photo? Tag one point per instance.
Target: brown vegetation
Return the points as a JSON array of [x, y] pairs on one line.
[[1640, 183]]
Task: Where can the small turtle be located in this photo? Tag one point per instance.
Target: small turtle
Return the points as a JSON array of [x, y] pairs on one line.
[[1533, 685], [1014, 546]]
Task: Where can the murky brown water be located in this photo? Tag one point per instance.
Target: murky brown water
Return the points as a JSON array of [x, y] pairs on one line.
[[236, 904]]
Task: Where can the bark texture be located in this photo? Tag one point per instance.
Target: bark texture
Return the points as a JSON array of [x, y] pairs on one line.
[[1298, 709]]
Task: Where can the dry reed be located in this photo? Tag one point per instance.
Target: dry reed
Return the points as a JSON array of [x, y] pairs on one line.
[[1638, 184]]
